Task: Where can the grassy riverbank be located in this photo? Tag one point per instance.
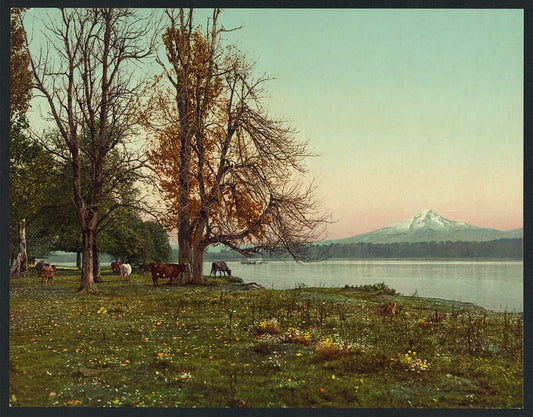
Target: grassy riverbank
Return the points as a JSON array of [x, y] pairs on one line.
[[221, 345]]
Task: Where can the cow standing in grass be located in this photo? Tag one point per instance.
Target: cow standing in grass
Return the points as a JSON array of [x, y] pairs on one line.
[[47, 274], [125, 271], [115, 267], [166, 271], [220, 266]]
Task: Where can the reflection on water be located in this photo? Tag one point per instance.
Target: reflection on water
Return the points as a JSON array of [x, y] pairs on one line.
[[494, 285]]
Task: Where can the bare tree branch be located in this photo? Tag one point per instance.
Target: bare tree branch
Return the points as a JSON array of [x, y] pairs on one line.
[[90, 86]]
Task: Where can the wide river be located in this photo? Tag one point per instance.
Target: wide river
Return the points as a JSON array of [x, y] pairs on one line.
[[497, 286]]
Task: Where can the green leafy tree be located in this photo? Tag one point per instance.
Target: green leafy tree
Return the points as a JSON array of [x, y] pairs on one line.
[[20, 161], [21, 78], [32, 170], [122, 178], [134, 240], [162, 249]]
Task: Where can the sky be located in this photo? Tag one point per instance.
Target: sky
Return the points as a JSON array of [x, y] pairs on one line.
[[406, 109]]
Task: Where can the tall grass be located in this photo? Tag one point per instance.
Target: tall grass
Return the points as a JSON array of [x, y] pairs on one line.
[[221, 345]]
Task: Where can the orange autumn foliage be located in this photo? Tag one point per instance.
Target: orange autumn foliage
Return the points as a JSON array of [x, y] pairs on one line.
[[164, 117]]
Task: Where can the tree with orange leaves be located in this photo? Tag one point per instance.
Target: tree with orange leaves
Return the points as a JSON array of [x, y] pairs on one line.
[[226, 169]]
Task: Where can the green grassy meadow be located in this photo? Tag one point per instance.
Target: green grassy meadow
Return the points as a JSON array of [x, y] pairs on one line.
[[222, 345]]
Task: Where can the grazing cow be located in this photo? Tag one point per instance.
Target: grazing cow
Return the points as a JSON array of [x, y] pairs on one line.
[[166, 271], [145, 267], [47, 274], [388, 309], [115, 267], [125, 271], [220, 266]]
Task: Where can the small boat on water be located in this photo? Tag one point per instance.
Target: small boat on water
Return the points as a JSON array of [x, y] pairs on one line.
[[255, 261]]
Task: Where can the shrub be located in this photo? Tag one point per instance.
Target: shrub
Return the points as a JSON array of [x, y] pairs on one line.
[[411, 363], [332, 348], [266, 326], [297, 336], [381, 288], [222, 281]]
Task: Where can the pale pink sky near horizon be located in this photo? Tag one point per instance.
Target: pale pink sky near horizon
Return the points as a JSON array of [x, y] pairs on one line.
[[365, 221]]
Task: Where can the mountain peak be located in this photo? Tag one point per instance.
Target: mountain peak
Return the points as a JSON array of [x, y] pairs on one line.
[[426, 211], [427, 226], [426, 220], [430, 219]]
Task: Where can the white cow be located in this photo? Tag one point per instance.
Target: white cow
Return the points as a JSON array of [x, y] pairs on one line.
[[125, 271]]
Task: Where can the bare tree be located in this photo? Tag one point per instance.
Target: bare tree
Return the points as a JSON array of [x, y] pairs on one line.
[[86, 74], [231, 173]]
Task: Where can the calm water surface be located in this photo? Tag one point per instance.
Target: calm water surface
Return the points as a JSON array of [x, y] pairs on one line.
[[496, 286]]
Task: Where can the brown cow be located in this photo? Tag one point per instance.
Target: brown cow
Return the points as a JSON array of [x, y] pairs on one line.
[[115, 267], [47, 274], [388, 309], [166, 271]]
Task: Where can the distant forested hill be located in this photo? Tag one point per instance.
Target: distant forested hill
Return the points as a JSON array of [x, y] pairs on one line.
[[494, 249]]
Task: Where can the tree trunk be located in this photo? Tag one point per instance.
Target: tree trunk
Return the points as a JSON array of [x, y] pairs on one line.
[[96, 263], [87, 272], [196, 274], [184, 221], [197, 266], [184, 249], [78, 260], [184, 257], [20, 267]]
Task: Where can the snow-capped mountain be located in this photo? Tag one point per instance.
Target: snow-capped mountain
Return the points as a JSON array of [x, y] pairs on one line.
[[428, 226], [426, 220]]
